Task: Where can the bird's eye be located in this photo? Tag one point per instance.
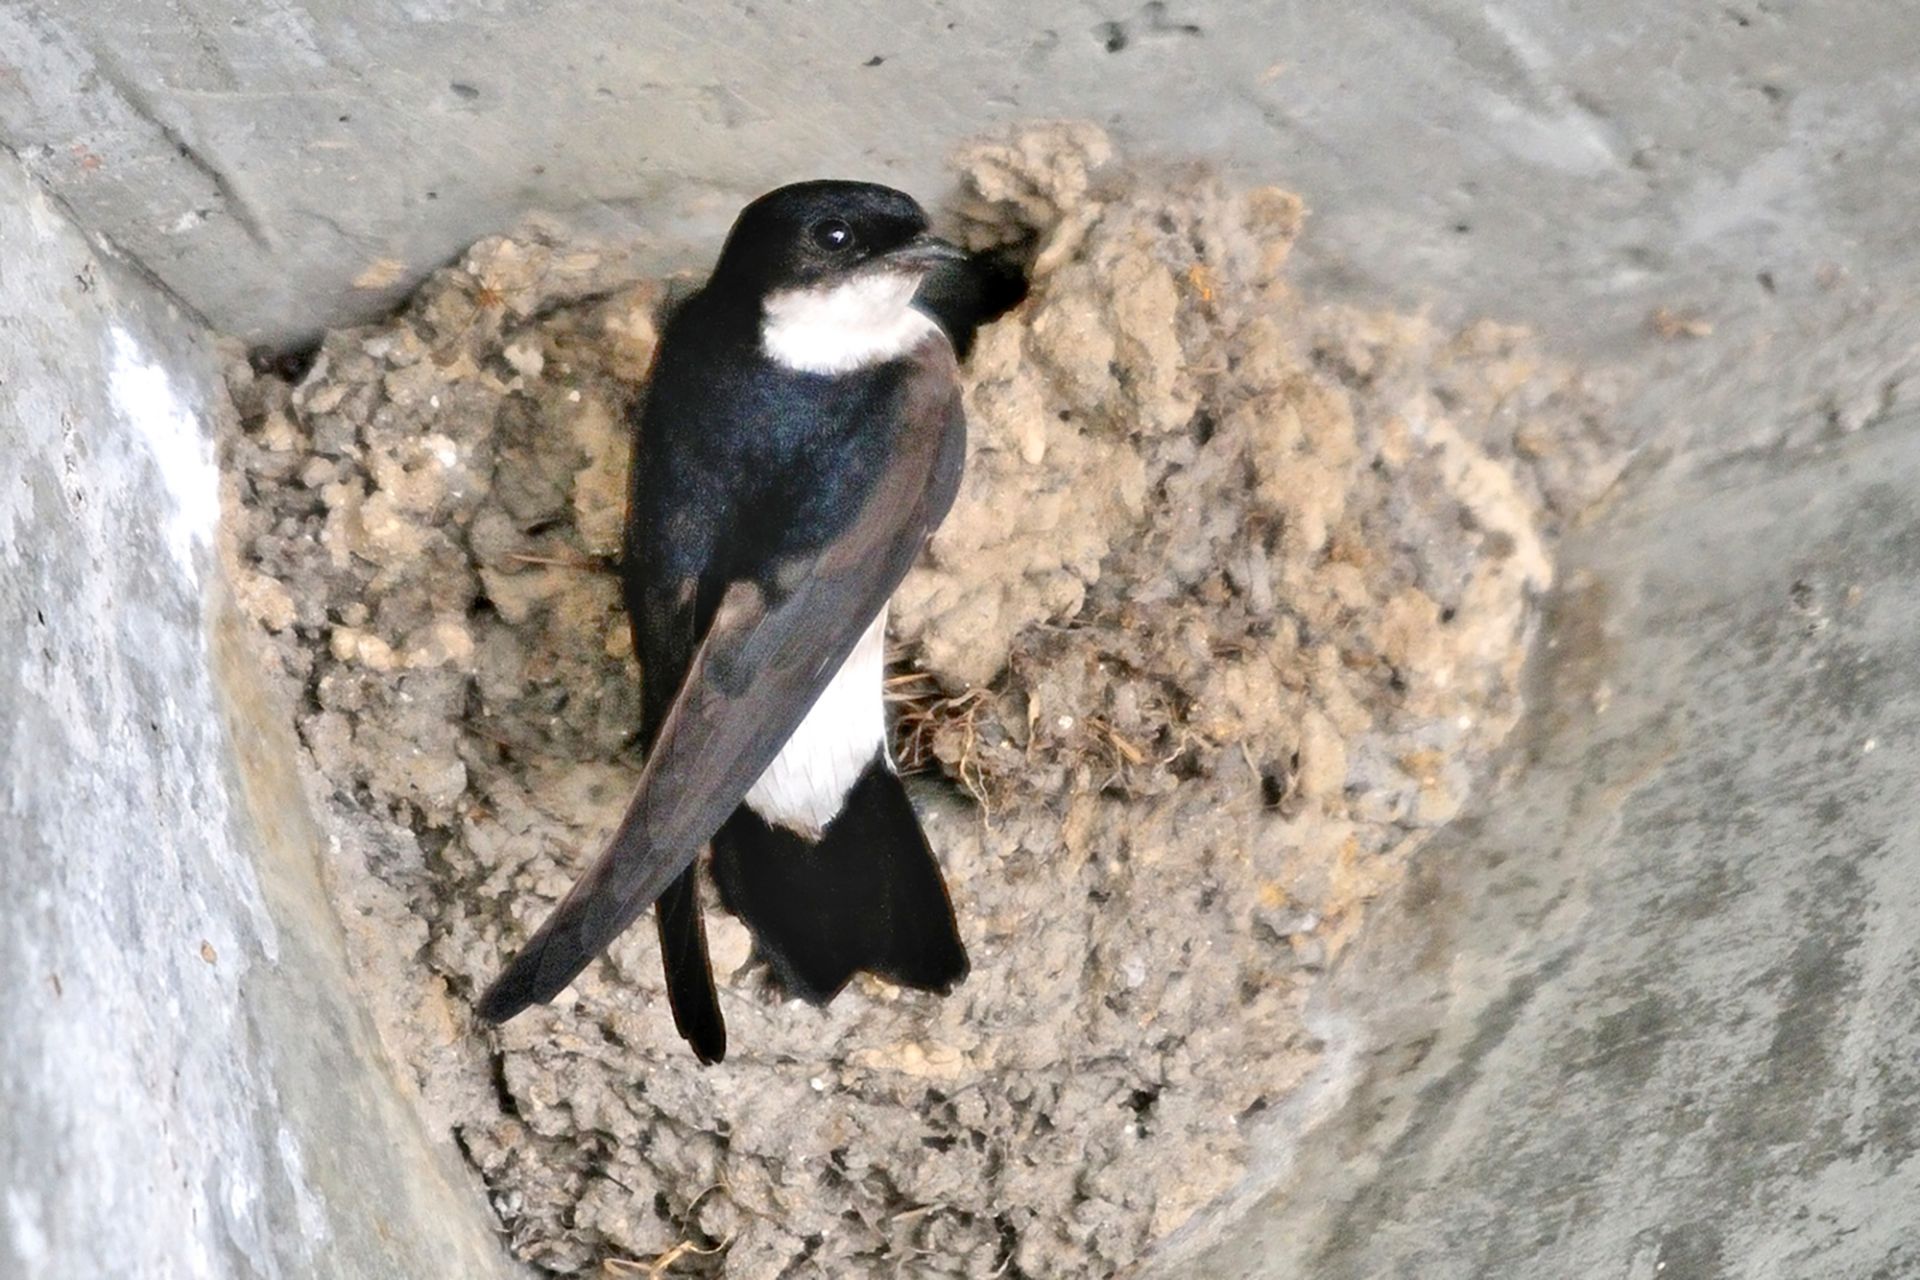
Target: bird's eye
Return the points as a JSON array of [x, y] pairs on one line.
[[832, 234]]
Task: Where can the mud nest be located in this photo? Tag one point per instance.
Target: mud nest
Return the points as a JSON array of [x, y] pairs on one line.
[[1229, 616]]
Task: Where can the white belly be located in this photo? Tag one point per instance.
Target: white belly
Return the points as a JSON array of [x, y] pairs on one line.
[[808, 781]]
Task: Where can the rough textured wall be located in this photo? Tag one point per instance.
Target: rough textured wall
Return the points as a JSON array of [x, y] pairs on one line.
[[1741, 168], [1225, 622], [1653, 1014], [189, 1089], [290, 164]]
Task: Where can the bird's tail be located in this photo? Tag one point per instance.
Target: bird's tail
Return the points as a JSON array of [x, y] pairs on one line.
[[683, 951], [867, 894]]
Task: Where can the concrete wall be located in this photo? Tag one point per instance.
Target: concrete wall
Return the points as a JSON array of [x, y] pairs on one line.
[[1557, 162], [190, 1089], [1651, 1012]]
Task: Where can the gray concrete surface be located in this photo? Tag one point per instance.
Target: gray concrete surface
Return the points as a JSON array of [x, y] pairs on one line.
[[1650, 1012], [1654, 1010], [190, 1090], [1563, 163]]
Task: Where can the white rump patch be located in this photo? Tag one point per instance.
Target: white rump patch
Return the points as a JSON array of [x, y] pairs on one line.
[[836, 328], [808, 781]]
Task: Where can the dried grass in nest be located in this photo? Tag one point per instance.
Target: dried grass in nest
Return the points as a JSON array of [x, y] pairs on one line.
[[923, 716], [988, 740], [658, 1268]]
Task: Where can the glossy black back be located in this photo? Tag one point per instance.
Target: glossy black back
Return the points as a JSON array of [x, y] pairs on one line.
[[741, 462]]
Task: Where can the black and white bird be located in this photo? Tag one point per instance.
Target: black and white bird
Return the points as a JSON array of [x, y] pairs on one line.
[[800, 437]]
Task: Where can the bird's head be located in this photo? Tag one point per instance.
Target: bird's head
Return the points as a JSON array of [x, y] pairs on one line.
[[833, 266]]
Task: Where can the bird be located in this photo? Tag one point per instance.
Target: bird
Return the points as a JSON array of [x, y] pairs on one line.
[[799, 437]]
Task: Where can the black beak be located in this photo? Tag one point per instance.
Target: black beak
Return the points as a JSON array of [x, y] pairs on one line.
[[926, 252]]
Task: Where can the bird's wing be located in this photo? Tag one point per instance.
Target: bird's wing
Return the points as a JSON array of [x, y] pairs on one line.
[[771, 650]]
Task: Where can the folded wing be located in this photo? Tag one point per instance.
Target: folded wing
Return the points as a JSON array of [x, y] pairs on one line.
[[772, 648]]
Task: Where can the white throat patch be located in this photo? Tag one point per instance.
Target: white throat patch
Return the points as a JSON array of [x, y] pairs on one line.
[[864, 321]]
